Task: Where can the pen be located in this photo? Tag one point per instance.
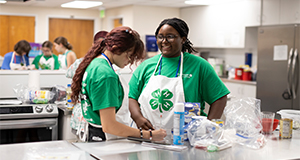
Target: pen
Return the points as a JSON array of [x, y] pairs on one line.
[[160, 119]]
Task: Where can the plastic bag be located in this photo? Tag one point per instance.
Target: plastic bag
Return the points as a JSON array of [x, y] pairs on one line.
[[207, 135], [243, 122], [60, 94], [26, 95]]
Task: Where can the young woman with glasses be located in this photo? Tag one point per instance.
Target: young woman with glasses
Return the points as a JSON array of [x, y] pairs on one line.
[[47, 60], [172, 77]]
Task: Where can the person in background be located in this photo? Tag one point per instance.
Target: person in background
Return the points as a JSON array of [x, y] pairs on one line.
[[18, 59], [71, 70], [47, 60], [99, 88], [68, 57], [172, 77]]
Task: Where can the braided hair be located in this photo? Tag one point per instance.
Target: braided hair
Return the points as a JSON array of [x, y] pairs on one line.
[[124, 38], [182, 28]]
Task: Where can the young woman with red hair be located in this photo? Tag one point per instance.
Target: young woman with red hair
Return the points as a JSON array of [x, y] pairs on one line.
[[99, 88]]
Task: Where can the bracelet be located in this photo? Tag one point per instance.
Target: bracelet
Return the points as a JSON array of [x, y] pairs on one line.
[[150, 135], [141, 131]]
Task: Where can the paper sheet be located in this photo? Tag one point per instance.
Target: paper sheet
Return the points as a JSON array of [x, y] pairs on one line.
[[280, 53]]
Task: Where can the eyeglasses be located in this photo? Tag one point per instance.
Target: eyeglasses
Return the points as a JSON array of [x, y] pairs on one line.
[[169, 37], [46, 51]]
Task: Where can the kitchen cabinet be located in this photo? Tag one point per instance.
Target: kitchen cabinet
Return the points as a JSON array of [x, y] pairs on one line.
[[271, 12], [241, 90], [252, 12], [216, 26], [289, 11], [280, 12], [64, 127]]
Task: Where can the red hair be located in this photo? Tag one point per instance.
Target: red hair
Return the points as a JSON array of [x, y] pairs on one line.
[[124, 38]]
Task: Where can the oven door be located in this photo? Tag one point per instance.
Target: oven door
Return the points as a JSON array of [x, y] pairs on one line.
[[28, 130]]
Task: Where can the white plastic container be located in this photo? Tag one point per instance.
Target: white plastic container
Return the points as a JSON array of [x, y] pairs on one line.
[[291, 114], [178, 131], [295, 116]]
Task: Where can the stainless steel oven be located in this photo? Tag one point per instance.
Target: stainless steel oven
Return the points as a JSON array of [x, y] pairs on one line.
[[27, 122]]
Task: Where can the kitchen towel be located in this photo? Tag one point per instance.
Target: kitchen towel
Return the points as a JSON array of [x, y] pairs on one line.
[[34, 80]]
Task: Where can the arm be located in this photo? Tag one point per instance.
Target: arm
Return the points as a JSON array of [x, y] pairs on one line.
[[112, 126], [71, 57], [6, 62], [56, 62], [137, 115], [216, 108]]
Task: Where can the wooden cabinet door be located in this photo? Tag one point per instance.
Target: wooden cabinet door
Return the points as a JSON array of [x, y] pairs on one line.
[[14, 29], [79, 33]]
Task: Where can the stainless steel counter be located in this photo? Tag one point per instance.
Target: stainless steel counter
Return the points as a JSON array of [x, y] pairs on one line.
[[128, 150], [50, 150], [64, 110], [239, 81], [123, 149]]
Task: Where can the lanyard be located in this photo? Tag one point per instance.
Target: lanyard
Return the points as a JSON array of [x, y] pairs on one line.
[[159, 72], [108, 60], [15, 59]]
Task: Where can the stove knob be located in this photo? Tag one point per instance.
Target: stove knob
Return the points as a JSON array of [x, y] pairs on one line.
[[38, 109], [49, 108]]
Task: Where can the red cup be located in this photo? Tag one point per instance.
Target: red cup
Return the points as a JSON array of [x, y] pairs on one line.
[[266, 124], [247, 76], [239, 73]]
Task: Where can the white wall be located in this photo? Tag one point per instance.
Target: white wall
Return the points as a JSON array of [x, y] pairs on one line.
[[42, 15], [126, 13], [147, 18], [143, 19]]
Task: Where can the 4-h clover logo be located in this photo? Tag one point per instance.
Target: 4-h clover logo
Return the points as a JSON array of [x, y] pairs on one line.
[[161, 97]]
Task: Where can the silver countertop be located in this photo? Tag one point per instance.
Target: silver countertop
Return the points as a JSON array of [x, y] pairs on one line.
[[42, 150], [123, 149], [238, 81], [274, 149], [66, 111]]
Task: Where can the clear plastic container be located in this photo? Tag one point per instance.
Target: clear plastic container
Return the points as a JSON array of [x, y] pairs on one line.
[[68, 92]]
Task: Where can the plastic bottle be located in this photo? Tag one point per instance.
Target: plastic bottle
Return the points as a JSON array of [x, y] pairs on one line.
[[68, 92], [70, 105], [178, 131]]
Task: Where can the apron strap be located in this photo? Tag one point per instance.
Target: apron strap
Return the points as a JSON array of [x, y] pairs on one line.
[[180, 64]]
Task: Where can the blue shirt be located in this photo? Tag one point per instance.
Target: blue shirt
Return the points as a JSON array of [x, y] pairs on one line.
[[17, 60]]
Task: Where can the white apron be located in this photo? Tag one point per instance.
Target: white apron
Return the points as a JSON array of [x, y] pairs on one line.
[[15, 66], [62, 58], [122, 116], [48, 63], [158, 98]]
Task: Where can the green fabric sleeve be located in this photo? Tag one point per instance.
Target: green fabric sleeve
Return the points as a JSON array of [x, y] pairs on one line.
[[36, 61], [105, 93], [56, 62]]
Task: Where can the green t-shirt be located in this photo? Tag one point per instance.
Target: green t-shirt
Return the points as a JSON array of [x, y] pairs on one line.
[[200, 81], [101, 88], [37, 64]]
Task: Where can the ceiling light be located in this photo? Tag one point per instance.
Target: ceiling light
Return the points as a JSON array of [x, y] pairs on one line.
[[1, 1], [198, 2], [81, 4], [208, 2]]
